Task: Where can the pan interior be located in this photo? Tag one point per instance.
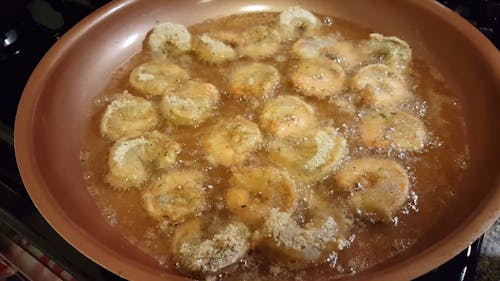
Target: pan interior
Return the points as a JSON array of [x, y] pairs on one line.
[[56, 107]]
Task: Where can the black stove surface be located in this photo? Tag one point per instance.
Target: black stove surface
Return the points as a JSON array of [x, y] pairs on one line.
[[28, 28]]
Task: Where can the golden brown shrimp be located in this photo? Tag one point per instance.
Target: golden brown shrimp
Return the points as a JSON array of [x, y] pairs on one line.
[[393, 129], [342, 52], [128, 116], [199, 252], [131, 160], [230, 142], [169, 39], [175, 196], [314, 157], [154, 78], [287, 116], [379, 86], [296, 21], [391, 51], [253, 80], [307, 244], [318, 77], [379, 186], [259, 42], [212, 50], [255, 191], [191, 104]]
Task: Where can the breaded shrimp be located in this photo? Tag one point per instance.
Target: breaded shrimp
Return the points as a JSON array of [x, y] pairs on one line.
[[393, 129], [379, 186], [212, 50], [255, 191], [175, 196], [310, 243], [379, 86], [229, 37], [391, 51], [199, 252], [253, 80], [169, 39], [318, 77], [312, 158], [287, 116], [131, 160], [128, 116], [154, 78], [191, 104], [259, 42], [311, 47], [230, 142], [342, 52], [296, 21]]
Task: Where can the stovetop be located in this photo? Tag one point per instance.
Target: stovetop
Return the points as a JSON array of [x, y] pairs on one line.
[[28, 29]]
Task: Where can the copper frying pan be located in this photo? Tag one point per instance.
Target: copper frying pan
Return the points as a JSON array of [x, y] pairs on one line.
[[54, 113]]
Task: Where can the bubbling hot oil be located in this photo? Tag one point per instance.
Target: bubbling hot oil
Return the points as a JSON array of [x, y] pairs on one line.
[[435, 173]]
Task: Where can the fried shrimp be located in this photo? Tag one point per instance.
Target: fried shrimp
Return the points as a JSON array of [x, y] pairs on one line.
[[254, 192], [308, 243], [175, 196], [128, 116], [287, 116], [342, 52], [230, 142], [259, 42], [169, 39], [379, 86], [296, 21], [312, 47], [131, 160], [232, 38], [253, 80], [191, 104], [154, 78], [161, 150], [311, 158], [379, 186], [212, 50], [205, 252], [391, 51], [318, 77], [393, 129], [266, 145]]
